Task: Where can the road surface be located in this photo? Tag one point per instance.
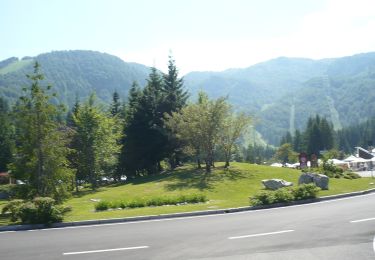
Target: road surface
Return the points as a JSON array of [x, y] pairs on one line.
[[340, 229]]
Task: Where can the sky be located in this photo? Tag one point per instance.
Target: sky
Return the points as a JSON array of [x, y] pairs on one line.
[[202, 35]]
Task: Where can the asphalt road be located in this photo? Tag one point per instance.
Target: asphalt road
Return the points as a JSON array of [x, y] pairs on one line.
[[340, 229]]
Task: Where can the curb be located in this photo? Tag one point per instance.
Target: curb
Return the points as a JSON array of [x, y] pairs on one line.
[[180, 215]]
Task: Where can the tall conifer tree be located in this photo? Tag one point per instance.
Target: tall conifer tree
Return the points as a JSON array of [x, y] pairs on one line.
[[41, 154]]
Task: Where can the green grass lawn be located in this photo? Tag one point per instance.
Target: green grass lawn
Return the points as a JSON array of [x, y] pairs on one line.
[[223, 188]]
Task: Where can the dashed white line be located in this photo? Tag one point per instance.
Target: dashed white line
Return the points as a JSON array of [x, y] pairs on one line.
[[106, 250], [373, 244], [262, 234], [362, 220]]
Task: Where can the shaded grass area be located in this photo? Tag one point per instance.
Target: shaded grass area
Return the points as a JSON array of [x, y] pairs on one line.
[[224, 189]]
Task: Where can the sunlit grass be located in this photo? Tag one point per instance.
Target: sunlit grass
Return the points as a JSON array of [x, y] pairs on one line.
[[223, 188]]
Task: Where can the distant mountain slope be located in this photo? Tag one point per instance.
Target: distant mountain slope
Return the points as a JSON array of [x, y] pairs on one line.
[[74, 74], [282, 93]]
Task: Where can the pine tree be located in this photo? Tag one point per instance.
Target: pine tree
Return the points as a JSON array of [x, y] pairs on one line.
[[144, 139], [6, 136], [41, 154], [116, 104], [174, 99], [74, 144], [297, 142], [175, 95], [130, 153]]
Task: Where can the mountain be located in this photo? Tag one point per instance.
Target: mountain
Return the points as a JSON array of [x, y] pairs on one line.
[[73, 74], [282, 93]]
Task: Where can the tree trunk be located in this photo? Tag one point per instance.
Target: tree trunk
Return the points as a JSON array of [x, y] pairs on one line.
[[226, 164], [40, 173], [226, 160], [172, 162], [208, 166]]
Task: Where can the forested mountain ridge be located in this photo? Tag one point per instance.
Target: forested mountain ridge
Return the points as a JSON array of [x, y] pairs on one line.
[[281, 93], [74, 74], [284, 92]]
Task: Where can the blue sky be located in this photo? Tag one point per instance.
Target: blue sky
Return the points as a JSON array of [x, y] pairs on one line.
[[202, 34]]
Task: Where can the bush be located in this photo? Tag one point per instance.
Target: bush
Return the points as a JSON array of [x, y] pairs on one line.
[[305, 191], [13, 208], [102, 205], [41, 210], [155, 201], [331, 170], [351, 175], [283, 195], [137, 203], [263, 198]]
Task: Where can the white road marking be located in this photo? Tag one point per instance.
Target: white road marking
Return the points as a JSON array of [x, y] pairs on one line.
[[262, 234], [105, 250], [362, 220], [373, 244]]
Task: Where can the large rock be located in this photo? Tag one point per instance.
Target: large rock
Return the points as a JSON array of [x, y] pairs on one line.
[[320, 180], [274, 184], [306, 178]]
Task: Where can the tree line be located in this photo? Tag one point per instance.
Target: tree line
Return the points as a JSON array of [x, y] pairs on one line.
[[55, 151], [320, 136]]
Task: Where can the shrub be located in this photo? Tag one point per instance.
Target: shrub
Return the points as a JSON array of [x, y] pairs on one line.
[[331, 170], [102, 205], [155, 201], [41, 210], [137, 203], [13, 208], [28, 213], [351, 175], [305, 191], [283, 195], [262, 198]]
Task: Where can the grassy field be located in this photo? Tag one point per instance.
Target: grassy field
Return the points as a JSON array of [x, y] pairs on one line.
[[224, 189]]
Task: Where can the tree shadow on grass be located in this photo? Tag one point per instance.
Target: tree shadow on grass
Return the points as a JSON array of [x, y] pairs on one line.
[[199, 179], [82, 193]]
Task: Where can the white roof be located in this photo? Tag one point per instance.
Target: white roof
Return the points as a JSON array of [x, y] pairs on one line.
[[337, 162], [350, 158]]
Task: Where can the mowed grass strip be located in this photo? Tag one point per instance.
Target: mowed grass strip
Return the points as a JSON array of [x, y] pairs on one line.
[[223, 188]]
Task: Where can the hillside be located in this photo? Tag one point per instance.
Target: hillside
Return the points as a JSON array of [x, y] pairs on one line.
[[73, 74], [282, 93]]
